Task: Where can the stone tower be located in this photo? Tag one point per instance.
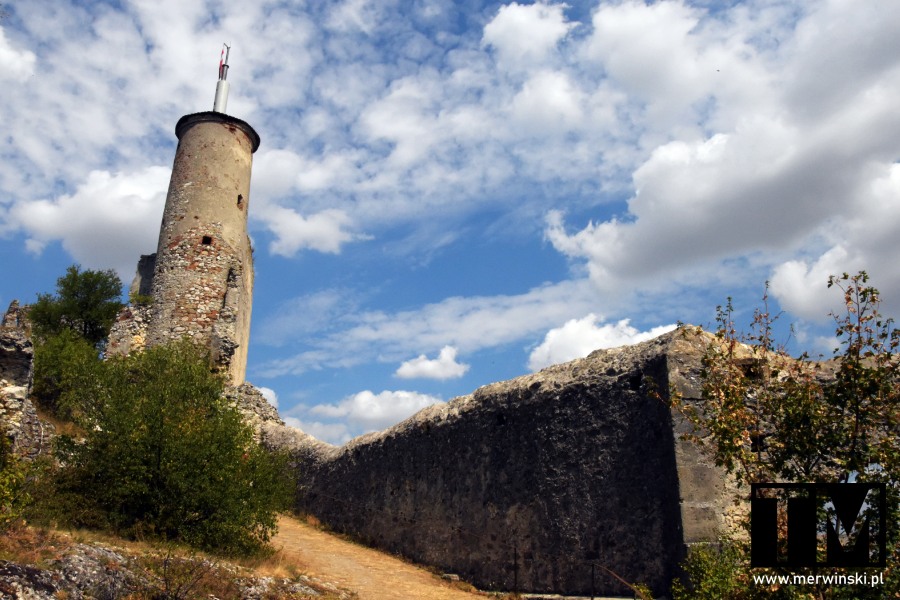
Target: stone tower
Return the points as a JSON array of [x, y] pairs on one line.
[[202, 274]]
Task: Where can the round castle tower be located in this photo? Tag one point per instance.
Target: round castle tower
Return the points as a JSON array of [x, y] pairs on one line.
[[202, 282]]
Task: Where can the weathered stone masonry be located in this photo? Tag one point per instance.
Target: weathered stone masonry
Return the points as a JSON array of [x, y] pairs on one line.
[[202, 272], [578, 463]]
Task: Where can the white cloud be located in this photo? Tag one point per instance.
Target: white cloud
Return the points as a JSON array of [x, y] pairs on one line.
[[758, 134], [761, 179], [549, 103], [863, 239], [525, 34], [467, 324], [324, 231], [270, 395], [372, 412], [800, 287], [442, 367], [579, 337], [15, 65], [352, 15], [108, 222], [333, 433]]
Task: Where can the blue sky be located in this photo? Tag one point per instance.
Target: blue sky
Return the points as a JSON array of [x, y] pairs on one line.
[[453, 193]]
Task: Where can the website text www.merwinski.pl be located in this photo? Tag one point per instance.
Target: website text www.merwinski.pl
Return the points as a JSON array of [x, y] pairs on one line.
[[861, 579]]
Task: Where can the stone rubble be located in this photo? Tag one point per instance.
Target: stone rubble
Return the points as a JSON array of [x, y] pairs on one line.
[[97, 572]]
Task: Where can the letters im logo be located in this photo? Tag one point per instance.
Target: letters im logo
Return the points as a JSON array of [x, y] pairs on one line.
[[797, 525]]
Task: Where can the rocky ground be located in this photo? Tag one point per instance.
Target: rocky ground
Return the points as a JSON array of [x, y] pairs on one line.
[[51, 566]]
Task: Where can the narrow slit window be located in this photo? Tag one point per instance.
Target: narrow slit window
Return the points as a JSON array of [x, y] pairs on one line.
[[240, 201]]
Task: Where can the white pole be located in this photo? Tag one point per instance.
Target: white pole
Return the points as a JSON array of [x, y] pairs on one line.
[[221, 96], [221, 100]]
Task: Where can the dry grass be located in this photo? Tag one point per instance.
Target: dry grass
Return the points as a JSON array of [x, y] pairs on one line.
[[62, 427], [32, 546], [176, 570]]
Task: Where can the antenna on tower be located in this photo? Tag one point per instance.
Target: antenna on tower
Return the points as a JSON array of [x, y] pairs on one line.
[[222, 86]]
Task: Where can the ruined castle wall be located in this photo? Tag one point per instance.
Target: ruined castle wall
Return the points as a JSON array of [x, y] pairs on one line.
[[203, 278], [525, 483], [19, 421]]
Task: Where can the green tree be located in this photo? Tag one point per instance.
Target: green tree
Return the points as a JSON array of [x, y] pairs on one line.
[[768, 417], [86, 302], [165, 455], [70, 329]]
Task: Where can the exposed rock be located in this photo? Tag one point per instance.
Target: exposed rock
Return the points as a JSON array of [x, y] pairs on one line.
[[24, 582], [84, 572], [16, 350], [524, 483], [18, 418], [253, 406], [19, 421], [142, 284], [99, 572]]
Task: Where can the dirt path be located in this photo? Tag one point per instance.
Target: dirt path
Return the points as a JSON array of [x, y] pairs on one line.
[[371, 574]]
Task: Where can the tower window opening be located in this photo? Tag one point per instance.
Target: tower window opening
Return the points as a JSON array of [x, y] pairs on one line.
[[240, 201], [207, 240]]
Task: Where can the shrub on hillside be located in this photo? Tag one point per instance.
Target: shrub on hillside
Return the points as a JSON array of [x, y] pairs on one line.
[[13, 494], [70, 330], [164, 455], [62, 364]]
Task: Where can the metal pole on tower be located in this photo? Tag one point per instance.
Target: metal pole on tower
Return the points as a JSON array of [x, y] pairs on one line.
[[221, 100]]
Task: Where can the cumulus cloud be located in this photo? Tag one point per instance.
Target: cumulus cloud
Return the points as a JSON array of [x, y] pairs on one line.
[[442, 367], [525, 34], [753, 141], [325, 231], [15, 65], [763, 180], [369, 411], [108, 222], [579, 337]]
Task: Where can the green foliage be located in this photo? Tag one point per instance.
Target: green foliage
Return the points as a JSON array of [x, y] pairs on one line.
[[63, 363], [86, 302], [714, 573], [767, 417], [13, 494], [140, 299], [165, 456]]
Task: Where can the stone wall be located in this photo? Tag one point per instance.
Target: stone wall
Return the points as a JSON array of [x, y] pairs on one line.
[[129, 332], [18, 418], [525, 483]]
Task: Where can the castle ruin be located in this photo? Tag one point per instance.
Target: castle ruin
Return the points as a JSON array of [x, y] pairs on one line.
[[200, 280]]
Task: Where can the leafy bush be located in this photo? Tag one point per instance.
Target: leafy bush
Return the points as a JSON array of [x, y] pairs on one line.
[[166, 456], [70, 330], [713, 572], [62, 364], [13, 495]]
